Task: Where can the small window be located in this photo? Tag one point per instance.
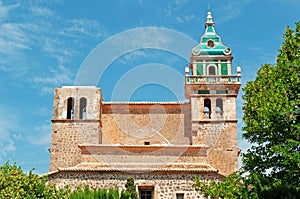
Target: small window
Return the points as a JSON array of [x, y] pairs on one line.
[[212, 70], [210, 43], [207, 108], [82, 108], [146, 143], [70, 108], [179, 195], [146, 192]]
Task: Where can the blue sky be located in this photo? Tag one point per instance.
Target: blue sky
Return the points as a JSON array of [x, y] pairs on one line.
[[44, 44]]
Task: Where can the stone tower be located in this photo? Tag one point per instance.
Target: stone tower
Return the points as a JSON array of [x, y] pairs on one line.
[[212, 91], [76, 120]]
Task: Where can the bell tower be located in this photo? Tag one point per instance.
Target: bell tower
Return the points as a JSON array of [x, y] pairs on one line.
[[76, 120], [212, 91]]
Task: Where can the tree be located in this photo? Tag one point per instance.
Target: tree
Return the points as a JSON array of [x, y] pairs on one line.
[[14, 183], [125, 195], [252, 186], [130, 187], [232, 187], [271, 115]]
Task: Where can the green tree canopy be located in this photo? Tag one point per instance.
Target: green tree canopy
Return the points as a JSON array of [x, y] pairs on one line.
[[14, 183], [271, 115], [130, 188]]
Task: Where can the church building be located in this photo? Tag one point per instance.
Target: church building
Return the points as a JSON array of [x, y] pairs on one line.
[[102, 144]]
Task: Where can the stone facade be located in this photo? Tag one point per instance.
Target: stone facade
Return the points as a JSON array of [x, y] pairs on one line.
[[161, 144], [137, 123], [162, 185]]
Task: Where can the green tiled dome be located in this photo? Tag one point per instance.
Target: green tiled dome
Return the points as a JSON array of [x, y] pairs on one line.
[[210, 43]]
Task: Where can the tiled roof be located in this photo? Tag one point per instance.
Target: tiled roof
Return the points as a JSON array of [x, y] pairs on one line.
[[175, 167]]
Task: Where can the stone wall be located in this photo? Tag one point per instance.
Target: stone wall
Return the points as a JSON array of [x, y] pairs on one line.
[[66, 136], [164, 185], [144, 156], [221, 138], [137, 123]]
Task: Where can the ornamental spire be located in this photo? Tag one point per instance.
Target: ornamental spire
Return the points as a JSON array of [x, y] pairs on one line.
[[209, 21], [210, 42]]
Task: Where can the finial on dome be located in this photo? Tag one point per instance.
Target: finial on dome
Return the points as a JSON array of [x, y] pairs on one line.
[[209, 20]]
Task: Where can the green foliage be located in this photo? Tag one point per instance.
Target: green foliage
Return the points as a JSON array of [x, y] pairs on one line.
[[125, 195], [253, 186], [232, 187], [130, 187], [113, 194], [271, 114], [14, 183], [87, 193]]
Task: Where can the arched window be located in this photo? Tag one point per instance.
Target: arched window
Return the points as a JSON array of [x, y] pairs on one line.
[[212, 70], [219, 107], [70, 108], [207, 108], [82, 108]]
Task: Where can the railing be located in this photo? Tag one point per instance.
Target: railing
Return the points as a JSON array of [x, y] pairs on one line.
[[208, 114], [219, 113], [213, 79]]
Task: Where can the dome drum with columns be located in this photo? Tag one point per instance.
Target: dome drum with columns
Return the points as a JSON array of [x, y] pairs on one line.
[[210, 65]]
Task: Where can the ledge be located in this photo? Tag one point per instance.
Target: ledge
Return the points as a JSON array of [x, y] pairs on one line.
[[75, 121], [154, 150], [215, 121], [142, 168], [213, 95], [144, 103], [142, 147]]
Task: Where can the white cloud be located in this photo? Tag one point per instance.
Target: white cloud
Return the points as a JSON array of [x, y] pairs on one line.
[[7, 146], [8, 123], [42, 135], [5, 10], [42, 12], [57, 77], [232, 10], [132, 56], [174, 6], [142, 38], [187, 18], [15, 36], [79, 28], [42, 31]]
